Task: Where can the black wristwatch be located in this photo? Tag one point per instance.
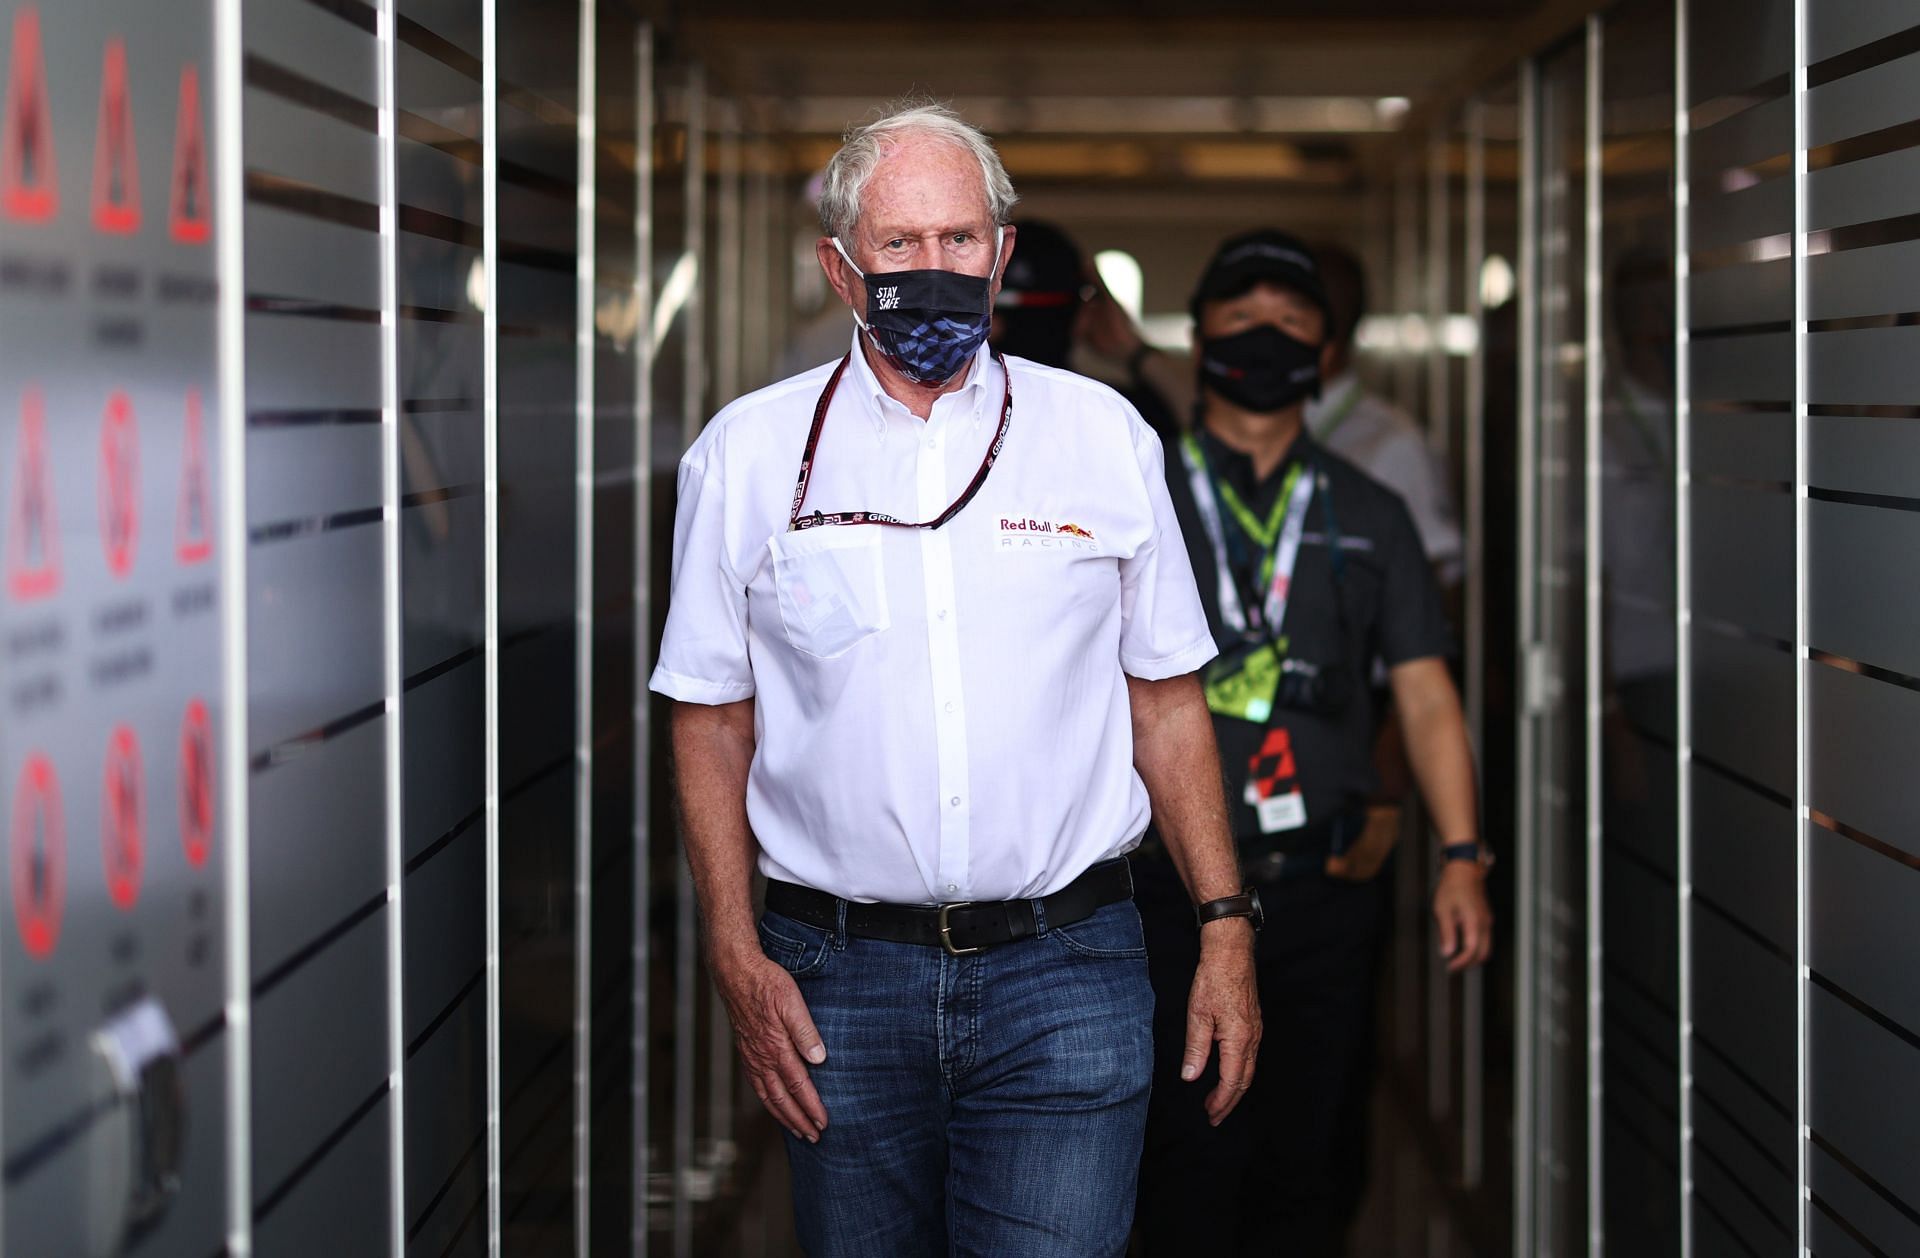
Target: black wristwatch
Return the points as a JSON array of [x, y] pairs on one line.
[[1246, 904], [1471, 850]]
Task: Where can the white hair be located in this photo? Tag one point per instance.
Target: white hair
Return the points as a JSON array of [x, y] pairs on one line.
[[862, 147]]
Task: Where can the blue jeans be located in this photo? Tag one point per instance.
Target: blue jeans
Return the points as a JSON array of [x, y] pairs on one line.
[[987, 1105]]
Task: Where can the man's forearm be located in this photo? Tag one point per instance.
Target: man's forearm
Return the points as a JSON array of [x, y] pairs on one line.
[[1437, 748], [1177, 758], [712, 751]]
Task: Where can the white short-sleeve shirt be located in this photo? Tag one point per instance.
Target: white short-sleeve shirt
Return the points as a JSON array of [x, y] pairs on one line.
[[940, 714]]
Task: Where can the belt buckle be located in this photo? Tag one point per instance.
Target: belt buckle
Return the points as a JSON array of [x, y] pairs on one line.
[[946, 930]]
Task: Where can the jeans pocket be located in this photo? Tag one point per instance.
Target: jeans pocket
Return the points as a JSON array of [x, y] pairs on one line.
[[795, 947], [1113, 933], [831, 587]]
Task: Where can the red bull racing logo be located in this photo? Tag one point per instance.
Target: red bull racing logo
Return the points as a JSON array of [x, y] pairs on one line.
[[1034, 534]]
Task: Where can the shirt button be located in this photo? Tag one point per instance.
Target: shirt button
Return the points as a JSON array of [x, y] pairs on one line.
[[949, 707], [942, 613], [933, 443], [955, 801], [953, 886]]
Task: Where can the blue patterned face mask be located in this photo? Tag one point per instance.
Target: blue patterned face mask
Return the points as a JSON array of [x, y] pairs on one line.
[[927, 323]]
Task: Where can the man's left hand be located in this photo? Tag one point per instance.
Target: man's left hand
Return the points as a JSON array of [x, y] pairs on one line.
[[1463, 916], [1224, 1007]]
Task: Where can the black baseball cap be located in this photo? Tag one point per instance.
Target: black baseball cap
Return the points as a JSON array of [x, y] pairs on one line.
[[1245, 260], [1045, 272]]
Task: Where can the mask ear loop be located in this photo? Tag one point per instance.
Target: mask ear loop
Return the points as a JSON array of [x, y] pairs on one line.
[[857, 271]]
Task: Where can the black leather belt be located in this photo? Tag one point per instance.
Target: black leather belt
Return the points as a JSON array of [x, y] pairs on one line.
[[964, 927]]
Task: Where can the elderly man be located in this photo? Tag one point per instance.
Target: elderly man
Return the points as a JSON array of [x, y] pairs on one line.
[[933, 637]]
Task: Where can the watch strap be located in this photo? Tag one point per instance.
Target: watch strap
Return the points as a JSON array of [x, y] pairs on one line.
[[1472, 850], [1242, 905]]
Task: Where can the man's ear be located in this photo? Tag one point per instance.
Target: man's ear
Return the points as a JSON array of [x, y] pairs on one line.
[[844, 282], [1006, 253]]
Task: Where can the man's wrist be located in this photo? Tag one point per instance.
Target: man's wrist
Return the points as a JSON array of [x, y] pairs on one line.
[[1244, 903], [1226, 932], [733, 951], [1466, 853]]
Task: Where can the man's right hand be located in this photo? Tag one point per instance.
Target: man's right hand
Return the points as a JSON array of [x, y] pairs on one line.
[[1104, 327], [777, 1039]]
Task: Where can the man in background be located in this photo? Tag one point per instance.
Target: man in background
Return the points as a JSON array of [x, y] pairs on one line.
[[1366, 430], [1049, 293], [1313, 577], [1372, 433]]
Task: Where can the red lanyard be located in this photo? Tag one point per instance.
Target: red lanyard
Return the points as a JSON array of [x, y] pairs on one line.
[[796, 521]]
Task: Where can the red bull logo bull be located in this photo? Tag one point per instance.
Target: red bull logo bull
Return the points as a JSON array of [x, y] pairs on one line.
[[1074, 530]]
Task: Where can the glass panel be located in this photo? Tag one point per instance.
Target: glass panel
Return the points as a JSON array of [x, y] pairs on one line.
[[1555, 654], [538, 385], [615, 552], [1639, 806], [1491, 503], [675, 271]]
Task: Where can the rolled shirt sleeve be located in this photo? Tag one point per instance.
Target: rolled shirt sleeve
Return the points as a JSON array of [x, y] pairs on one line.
[[1163, 626], [703, 653]]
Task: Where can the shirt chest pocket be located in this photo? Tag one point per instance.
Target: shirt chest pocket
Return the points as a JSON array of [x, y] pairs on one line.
[[831, 587]]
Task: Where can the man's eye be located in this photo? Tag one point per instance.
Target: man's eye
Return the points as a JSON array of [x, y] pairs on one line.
[[896, 243], [962, 238]]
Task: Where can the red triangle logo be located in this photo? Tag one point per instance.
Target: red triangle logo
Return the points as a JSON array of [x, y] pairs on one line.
[[33, 542], [191, 218], [193, 534], [116, 167], [29, 192]]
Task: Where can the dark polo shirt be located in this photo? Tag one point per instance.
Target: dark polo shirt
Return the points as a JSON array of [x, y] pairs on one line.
[[1384, 605]]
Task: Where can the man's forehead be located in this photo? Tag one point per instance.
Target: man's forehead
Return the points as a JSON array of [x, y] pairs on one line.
[[1267, 290], [917, 180]]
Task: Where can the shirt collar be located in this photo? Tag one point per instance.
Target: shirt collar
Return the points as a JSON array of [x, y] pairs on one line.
[[1236, 468], [970, 397]]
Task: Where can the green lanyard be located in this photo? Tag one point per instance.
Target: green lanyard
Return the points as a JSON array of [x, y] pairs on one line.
[[1263, 607], [1265, 535]]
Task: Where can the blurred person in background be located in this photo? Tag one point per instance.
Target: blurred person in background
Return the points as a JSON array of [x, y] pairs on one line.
[[1372, 433], [1389, 446], [1046, 287], [1049, 291], [1311, 572], [1344, 417]]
